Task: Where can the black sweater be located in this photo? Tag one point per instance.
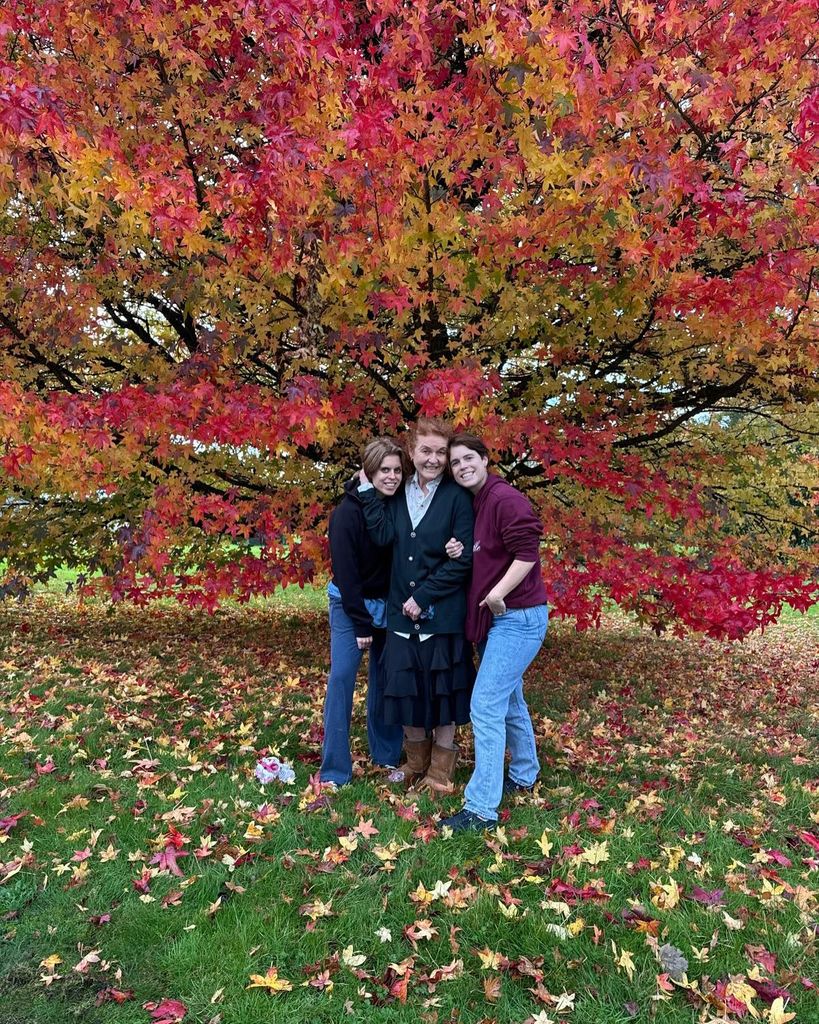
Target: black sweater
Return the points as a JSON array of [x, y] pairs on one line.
[[361, 568], [421, 567]]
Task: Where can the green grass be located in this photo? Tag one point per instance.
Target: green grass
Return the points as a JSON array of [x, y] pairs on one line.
[[693, 762]]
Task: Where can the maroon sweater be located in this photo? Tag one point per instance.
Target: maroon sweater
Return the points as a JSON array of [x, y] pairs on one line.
[[506, 528]]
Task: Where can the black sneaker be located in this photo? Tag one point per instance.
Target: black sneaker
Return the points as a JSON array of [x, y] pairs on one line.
[[510, 786], [467, 821]]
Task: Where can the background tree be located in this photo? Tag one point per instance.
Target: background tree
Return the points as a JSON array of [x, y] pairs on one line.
[[238, 237]]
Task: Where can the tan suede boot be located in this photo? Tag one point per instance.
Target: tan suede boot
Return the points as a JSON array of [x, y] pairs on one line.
[[418, 756], [438, 779]]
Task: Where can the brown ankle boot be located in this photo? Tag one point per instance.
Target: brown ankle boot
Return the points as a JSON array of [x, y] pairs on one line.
[[438, 779], [418, 755]]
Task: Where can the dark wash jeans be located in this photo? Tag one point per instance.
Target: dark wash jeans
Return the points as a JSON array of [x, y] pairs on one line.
[[384, 740]]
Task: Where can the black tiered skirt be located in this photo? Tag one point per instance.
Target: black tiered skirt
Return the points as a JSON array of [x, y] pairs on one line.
[[427, 683]]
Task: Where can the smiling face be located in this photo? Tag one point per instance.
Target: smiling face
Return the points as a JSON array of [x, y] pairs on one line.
[[387, 478], [429, 457], [468, 467]]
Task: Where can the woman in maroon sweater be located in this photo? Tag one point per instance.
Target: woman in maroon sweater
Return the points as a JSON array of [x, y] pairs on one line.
[[507, 618]]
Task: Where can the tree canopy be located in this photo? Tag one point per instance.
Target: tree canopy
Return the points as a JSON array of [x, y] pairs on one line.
[[239, 237]]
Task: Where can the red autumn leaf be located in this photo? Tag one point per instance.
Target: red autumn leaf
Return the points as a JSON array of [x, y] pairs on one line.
[[113, 995], [166, 860], [762, 956], [708, 898], [809, 838], [7, 824], [768, 990], [169, 1011]]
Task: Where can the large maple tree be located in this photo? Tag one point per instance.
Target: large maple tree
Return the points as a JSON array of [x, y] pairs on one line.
[[238, 237]]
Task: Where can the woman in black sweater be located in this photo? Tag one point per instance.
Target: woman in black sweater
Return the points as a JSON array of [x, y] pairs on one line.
[[356, 593], [428, 663]]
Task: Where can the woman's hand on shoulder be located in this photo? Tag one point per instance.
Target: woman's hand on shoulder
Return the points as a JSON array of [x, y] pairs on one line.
[[363, 478], [454, 548]]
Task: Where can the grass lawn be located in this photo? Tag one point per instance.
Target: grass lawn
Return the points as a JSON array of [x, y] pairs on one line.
[[666, 868]]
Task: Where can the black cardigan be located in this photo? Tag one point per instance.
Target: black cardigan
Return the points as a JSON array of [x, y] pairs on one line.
[[421, 567], [360, 567]]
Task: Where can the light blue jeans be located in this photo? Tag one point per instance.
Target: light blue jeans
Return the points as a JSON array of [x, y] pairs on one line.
[[500, 718], [345, 657]]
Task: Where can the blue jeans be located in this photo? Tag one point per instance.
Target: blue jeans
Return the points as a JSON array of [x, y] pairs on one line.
[[345, 657], [498, 712]]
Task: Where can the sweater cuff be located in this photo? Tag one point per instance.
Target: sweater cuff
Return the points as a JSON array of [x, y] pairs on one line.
[[525, 554]]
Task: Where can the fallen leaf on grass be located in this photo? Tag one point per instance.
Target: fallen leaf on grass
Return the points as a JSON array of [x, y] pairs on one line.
[[270, 981], [624, 961], [596, 853], [545, 844], [169, 1011], [350, 958], [490, 960], [87, 960], [665, 895], [114, 995], [418, 930], [316, 910], [673, 961], [777, 1014], [492, 988], [708, 898]]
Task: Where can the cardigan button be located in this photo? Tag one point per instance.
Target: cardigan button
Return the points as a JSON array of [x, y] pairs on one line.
[[412, 583], [410, 558], [417, 625], [412, 534]]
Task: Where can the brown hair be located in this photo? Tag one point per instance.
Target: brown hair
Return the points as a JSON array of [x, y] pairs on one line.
[[375, 451], [470, 441]]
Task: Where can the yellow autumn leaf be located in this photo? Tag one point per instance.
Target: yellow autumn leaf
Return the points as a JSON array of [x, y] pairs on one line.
[[391, 850], [665, 896], [623, 961], [673, 854], [490, 960], [777, 1014], [626, 962], [743, 993], [545, 844], [316, 910], [597, 853], [270, 981], [350, 958], [421, 894]]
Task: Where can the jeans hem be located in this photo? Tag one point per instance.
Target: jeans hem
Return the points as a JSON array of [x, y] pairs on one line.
[[336, 781], [485, 815]]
